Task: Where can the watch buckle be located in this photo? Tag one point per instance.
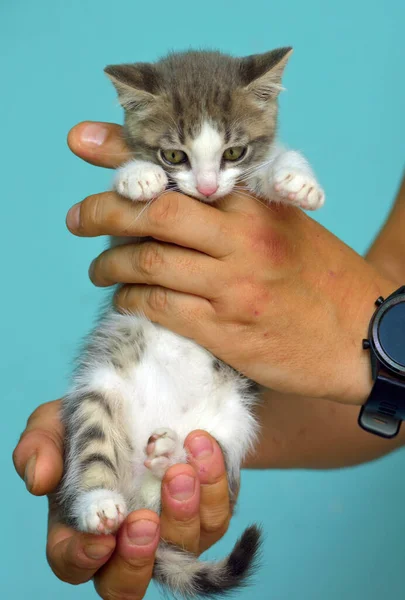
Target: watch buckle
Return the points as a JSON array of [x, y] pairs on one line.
[[383, 425]]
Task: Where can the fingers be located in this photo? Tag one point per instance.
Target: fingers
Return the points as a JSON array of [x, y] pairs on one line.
[[38, 456], [151, 263], [75, 557], [129, 571], [100, 144], [180, 519], [172, 217], [189, 316], [215, 511]]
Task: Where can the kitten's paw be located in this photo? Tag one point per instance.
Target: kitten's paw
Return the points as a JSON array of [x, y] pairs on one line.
[[163, 450], [298, 188], [140, 181], [100, 511]]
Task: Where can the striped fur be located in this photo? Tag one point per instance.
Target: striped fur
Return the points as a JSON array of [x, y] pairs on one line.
[[139, 389]]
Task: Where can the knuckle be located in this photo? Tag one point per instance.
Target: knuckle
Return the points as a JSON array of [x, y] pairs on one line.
[[45, 421], [41, 436], [64, 574], [149, 259], [107, 268], [185, 524], [217, 521], [122, 298], [108, 593], [158, 299], [165, 210], [40, 412], [250, 300], [91, 214]]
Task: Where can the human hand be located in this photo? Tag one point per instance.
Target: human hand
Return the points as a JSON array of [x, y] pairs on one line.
[[267, 290], [122, 566]]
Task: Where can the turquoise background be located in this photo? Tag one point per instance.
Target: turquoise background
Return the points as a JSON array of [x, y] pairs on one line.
[[329, 535]]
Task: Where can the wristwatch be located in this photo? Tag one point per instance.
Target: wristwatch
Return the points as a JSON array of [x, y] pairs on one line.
[[384, 410]]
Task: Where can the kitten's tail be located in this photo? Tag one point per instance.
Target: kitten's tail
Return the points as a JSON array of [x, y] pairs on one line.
[[186, 576]]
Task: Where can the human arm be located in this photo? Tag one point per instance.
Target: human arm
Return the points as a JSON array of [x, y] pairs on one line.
[[269, 291], [305, 433], [296, 431], [387, 253], [122, 566]]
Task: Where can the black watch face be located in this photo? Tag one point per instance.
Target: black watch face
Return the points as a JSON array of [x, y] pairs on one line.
[[389, 334]]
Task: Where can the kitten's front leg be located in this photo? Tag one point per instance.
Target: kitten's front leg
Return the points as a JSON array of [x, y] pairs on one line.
[[289, 180], [140, 180]]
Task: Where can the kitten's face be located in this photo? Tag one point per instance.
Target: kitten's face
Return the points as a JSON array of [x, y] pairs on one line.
[[209, 163], [208, 119]]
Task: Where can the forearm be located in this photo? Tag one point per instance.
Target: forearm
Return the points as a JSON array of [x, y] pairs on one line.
[[250, 255], [307, 433], [387, 253]]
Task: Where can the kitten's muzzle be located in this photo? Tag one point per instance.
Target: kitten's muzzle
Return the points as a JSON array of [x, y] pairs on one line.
[[207, 189]]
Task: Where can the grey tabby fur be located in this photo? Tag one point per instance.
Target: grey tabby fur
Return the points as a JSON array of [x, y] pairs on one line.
[[139, 389]]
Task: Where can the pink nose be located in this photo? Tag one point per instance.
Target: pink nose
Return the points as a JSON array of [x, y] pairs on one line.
[[207, 190]]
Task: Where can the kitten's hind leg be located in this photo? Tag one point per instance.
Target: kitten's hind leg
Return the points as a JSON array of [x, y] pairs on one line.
[[163, 450], [97, 463]]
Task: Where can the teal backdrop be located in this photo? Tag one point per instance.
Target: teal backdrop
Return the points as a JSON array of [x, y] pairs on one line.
[[329, 535]]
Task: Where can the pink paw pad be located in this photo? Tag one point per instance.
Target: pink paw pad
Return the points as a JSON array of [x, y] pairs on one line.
[[160, 450]]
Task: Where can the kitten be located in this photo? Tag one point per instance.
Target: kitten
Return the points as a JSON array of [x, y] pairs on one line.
[[202, 122]]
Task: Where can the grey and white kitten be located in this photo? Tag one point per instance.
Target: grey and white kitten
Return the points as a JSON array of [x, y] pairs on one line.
[[203, 122]]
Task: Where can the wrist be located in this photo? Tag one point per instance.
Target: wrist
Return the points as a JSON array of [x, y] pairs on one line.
[[354, 374]]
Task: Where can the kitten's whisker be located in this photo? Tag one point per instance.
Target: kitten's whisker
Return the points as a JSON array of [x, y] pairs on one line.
[[252, 170], [148, 203]]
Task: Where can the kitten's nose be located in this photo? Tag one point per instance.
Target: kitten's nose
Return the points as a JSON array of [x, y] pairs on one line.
[[207, 189]]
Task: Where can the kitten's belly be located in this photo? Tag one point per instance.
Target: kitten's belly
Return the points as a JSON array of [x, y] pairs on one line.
[[175, 385]]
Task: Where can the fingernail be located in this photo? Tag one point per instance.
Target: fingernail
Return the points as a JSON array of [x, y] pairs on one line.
[[97, 551], [73, 217], [29, 474], [201, 447], [94, 134], [181, 487], [141, 533]]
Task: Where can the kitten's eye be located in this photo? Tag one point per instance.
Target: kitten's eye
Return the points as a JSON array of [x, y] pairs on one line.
[[174, 157], [234, 153]]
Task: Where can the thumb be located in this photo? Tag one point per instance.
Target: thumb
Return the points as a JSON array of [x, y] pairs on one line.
[[100, 144], [38, 456]]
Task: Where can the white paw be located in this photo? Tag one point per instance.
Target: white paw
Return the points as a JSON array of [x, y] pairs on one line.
[[100, 511], [140, 180], [298, 188], [163, 450]]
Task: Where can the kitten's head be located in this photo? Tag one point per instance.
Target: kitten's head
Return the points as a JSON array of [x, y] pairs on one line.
[[207, 118]]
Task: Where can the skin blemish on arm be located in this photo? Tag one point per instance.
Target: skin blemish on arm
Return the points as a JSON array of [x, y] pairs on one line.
[[252, 297], [271, 244]]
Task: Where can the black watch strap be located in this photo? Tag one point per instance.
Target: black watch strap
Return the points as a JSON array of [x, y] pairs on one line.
[[384, 411]]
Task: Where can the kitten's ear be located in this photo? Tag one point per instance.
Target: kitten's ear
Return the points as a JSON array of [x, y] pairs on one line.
[[136, 84], [262, 73]]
